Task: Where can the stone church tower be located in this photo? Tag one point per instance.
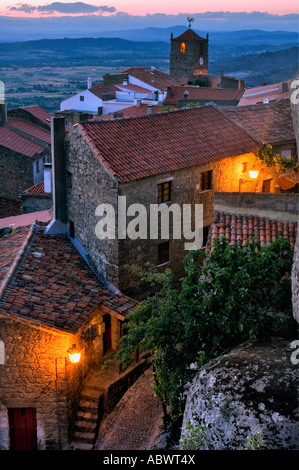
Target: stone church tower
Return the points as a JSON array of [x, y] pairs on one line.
[[189, 55]]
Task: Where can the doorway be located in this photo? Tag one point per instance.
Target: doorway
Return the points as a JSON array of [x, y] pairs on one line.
[[22, 428], [107, 343], [267, 186]]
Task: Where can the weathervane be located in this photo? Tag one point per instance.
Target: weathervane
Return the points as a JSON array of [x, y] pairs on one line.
[[190, 21]]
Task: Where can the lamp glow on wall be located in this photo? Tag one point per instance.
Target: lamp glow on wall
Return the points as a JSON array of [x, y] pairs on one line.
[[74, 354], [253, 174]]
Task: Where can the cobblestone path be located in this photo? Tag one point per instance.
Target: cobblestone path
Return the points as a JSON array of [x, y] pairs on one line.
[[135, 421]]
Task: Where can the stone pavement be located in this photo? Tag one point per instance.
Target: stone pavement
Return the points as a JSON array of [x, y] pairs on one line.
[[135, 422]]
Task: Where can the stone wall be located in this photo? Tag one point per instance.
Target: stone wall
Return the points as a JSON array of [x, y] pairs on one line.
[[35, 203], [35, 374], [284, 206], [16, 171], [90, 185]]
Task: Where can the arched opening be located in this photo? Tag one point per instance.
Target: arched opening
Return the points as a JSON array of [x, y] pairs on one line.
[[183, 48]]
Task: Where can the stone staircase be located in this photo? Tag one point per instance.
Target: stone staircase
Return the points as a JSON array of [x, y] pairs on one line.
[[88, 419], [98, 398]]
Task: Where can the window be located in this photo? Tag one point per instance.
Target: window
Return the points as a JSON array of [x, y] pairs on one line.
[[286, 153], [163, 253], [182, 48], [72, 229], [205, 180], [69, 179], [164, 192], [81, 98]]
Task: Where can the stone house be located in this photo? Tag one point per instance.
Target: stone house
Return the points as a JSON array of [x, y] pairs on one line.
[[270, 123], [266, 93], [117, 92], [182, 95], [180, 157], [24, 148], [50, 300]]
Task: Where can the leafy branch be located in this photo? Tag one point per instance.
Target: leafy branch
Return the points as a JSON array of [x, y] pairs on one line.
[[271, 159]]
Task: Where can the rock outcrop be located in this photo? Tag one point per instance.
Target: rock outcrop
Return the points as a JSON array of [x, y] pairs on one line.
[[294, 99], [253, 389]]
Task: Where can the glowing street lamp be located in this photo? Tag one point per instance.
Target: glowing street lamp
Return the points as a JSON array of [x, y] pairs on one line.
[[74, 354], [253, 173]]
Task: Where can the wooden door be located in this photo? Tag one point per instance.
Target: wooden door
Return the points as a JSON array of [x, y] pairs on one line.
[[107, 335], [22, 425], [267, 186]]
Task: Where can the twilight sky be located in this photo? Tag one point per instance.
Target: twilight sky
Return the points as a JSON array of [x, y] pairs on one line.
[[42, 8]]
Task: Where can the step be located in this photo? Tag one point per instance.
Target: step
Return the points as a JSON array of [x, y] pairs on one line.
[[91, 394], [87, 416], [81, 446], [88, 405], [85, 437], [83, 426]]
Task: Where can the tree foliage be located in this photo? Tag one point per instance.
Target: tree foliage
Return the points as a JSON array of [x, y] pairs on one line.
[[271, 159], [225, 298]]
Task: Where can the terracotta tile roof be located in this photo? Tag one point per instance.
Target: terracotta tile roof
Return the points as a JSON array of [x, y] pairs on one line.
[[273, 92], [51, 284], [10, 247], [202, 93], [238, 229], [39, 113], [99, 90], [132, 111], [134, 88], [270, 123], [30, 129], [188, 35], [26, 219], [150, 145], [37, 190], [14, 141]]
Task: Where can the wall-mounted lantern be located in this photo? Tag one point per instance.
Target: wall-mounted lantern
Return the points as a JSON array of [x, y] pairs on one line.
[[74, 354], [253, 173]]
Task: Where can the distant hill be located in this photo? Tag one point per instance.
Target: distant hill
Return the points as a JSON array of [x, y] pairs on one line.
[[269, 67]]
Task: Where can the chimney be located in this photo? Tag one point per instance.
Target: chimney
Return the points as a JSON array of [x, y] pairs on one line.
[[138, 104], [3, 111], [58, 225], [48, 177], [240, 84], [169, 91], [284, 87], [150, 109], [89, 83], [221, 71], [125, 82]]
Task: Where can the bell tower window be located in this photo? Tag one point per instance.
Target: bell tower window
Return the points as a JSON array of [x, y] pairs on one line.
[[182, 48]]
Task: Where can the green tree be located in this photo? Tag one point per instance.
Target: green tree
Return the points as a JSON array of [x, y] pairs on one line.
[[225, 298]]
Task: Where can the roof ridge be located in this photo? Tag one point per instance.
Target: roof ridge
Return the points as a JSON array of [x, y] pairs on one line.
[[17, 259], [255, 139]]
